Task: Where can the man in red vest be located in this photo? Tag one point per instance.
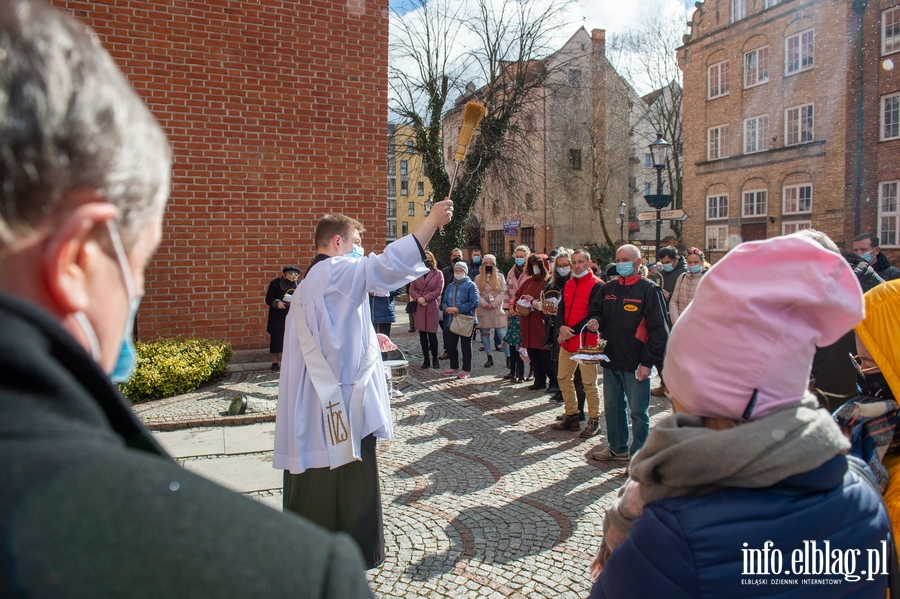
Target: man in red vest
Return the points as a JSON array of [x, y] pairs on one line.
[[570, 318]]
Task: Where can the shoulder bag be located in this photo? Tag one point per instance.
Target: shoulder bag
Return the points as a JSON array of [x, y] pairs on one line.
[[461, 324]]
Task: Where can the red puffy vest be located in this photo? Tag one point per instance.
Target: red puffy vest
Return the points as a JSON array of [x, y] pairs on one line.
[[576, 296]]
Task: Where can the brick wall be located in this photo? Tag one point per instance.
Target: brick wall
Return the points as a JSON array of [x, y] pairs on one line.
[[276, 111]]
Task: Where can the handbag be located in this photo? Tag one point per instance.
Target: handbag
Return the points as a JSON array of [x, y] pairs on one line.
[[462, 324], [411, 307]]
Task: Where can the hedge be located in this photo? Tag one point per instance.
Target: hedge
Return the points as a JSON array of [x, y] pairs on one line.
[[166, 367]]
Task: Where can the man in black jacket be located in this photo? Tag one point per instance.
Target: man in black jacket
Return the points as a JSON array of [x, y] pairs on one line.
[[867, 247], [90, 504], [630, 314]]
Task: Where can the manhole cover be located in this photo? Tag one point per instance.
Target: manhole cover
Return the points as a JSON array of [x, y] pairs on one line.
[[270, 384]]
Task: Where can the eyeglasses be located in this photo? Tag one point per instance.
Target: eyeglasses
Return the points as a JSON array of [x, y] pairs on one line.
[[857, 364]]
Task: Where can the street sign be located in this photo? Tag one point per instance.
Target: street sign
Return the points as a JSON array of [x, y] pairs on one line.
[[511, 231], [663, 215], [672, 215], [510, 224]]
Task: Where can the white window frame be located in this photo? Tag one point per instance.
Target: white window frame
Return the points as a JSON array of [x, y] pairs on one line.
[[753, 196], [891, 17], [770, 3], [795, 225], [795, 115], [889, 213], [717, 142], [717, 237], [720, 210], [719, 73], [760, 134], [805, 61], [761, 70], [893, 114], [738, 10], [784, 199]]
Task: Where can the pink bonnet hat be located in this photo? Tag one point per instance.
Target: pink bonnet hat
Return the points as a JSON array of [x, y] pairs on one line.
[[745, 344]]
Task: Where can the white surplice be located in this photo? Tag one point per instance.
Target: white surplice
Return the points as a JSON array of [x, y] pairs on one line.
[[333, 301]]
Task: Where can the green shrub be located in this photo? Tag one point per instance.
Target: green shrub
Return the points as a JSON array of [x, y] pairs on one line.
[[166, 367]]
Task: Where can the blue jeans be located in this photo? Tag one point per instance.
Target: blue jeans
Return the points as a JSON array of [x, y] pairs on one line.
[[617, 386], [486, 340]]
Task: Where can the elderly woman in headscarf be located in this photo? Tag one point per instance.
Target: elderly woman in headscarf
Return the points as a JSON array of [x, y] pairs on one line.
[[278, 299], [748, 465]]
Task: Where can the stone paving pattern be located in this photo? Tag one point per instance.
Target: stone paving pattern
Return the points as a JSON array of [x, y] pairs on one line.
[[481, 498]]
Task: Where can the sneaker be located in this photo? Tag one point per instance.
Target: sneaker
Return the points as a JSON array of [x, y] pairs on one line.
[[553, 389], [449, 372], [275, 368], [568, 423], [591, 428], [557, 398], [536, 387], [463, 374], [607, 454]]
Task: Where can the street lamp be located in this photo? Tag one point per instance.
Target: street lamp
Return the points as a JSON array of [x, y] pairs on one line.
[[622, 220], [659, 153]]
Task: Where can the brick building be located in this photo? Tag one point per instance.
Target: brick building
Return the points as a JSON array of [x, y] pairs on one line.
[[570, 173], [770, 119], [275, 110]]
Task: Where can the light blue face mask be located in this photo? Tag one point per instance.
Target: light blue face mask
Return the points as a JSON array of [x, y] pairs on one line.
[[124, 366], [581, 274], [668, 267], [476, 260], [625, 269], [356, 252], [695, 269], [520, 261], [867, 257]]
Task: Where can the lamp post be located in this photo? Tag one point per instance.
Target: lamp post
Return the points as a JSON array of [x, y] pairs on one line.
[[622, 220], [659, 153]]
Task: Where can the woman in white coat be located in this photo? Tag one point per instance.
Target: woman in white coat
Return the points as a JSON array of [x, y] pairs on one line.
[[491, 285]]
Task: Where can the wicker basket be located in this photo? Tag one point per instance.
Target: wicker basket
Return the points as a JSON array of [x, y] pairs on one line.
[[590, 350], [523, 310], [550, 308]]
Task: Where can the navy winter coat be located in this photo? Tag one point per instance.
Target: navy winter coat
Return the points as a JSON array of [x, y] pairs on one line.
[[695, 547], [382, 308]]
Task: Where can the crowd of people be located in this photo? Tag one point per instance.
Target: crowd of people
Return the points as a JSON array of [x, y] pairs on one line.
[[748, 468]]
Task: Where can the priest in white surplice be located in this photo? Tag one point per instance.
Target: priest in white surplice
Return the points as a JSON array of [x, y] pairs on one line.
[[333, 399]]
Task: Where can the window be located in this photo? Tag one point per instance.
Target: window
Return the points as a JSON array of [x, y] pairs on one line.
[[404, 168], [495, 243], [890, 117], [648, 160], [392, 187], [495, 207], [392, 208], [738, 10], [754, 203], [392, 168], [717, 80], [888, 213], [404, 228], [756, 67], [528, 236], [717, 207], [794, 226], [404, 187], [409, 146], [647, 189], [756, 134], [392, 229], [410, 209], [797, 199], [717, 142], [529, 201], [420, 188], [798, 125], [769, 3], [717, 237], [798, 52], [890, 30], [575, 159], [575, 77]]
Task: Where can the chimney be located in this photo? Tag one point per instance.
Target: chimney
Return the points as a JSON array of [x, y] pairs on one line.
[[598, 38]]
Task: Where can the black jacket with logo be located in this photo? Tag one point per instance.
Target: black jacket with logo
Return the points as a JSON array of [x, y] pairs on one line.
[[633, 321]]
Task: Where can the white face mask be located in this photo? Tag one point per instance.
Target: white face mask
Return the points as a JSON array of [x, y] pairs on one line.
[[459, 276], [563, 271], [536, 270]]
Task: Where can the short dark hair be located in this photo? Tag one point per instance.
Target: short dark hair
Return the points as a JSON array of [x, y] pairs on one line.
[[873, 239], [667, 252], [335, 224]]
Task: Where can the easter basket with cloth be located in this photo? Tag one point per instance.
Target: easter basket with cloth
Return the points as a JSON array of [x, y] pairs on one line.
[[589, 354], [550, 302]]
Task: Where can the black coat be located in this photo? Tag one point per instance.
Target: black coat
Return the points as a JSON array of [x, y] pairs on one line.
[[884, 269], [277, 290], [91, 505]]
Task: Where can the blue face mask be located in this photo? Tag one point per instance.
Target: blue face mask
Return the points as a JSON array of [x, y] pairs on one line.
[[476, 260], [582, 274], [695, 269], [668, 267], [356, 252], [520, 261], [867, 257], [625, 269]]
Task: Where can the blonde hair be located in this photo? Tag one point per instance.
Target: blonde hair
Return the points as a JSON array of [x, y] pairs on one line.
[[523, 248], [481, 281]]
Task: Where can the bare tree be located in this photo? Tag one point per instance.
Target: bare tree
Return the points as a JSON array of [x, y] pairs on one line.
[[646, 57], [506, 43]]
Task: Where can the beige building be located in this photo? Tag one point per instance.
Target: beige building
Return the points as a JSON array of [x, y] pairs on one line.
[[408, 188], [770, 121], [571, 167]]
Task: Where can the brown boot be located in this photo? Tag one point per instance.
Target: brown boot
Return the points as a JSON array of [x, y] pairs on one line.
[[659, 391], [568, 423]]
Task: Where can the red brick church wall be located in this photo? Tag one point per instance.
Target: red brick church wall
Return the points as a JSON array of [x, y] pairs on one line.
[[276, 111]]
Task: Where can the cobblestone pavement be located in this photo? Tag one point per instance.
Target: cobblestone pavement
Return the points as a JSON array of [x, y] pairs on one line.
[[481, 498]]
